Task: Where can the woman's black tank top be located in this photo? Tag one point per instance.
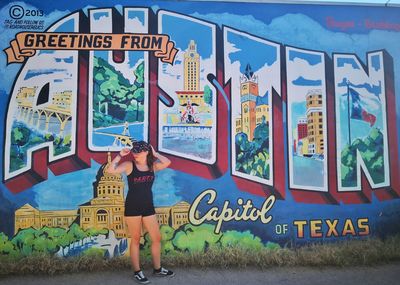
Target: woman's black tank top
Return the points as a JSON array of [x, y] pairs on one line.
[[140, 194]]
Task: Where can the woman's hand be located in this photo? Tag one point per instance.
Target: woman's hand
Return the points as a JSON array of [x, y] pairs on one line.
[[124, 152], [162, 162], [155, 154]]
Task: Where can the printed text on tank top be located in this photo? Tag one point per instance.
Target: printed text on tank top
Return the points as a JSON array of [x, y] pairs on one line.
[[143, 179], [140, 177]]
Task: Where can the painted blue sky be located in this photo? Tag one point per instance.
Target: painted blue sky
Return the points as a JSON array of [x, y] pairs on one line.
[[257, 54], [66, 60], [298, 110], [375, 63], [312, 59], [33, 73], [306, 82], [99, 15], [68, 26], [182, 31], [375, 89], [136, 14], [351, 61], [133, 57]]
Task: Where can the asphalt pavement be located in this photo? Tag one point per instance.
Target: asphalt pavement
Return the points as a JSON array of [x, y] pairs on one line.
[[382, 275]]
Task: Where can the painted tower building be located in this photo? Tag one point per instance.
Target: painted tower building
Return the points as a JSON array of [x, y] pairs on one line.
[[315, 132], [248, 100], [262, 110], [301, 128], [191, 92], [191, 63]]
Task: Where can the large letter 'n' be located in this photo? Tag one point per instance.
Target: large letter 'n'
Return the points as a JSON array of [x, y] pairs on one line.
[[366, 130]]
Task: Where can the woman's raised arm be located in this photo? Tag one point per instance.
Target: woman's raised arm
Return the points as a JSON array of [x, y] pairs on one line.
[[162, 162], [115, 167]]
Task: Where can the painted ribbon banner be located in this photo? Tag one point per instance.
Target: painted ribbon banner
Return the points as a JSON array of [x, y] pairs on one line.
[[26, 44]]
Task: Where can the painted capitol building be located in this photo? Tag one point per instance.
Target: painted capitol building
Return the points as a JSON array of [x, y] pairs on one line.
[[105, 210]]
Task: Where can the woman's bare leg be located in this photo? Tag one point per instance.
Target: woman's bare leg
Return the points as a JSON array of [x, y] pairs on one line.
[[135, 230], [151, 224]]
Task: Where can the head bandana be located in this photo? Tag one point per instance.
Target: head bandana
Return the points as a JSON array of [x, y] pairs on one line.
[[140, 146]]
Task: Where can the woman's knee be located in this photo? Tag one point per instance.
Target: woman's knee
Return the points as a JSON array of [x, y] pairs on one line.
[[156, 238], [135, 240]]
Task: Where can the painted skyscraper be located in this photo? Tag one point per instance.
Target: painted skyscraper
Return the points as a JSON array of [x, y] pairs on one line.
[[191, 64], [191, 93], [315, 122]]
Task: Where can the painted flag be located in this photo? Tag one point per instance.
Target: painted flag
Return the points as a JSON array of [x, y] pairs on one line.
[[357, 111]]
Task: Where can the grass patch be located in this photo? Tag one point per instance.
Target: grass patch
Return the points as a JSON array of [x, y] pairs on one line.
[[349, 253]]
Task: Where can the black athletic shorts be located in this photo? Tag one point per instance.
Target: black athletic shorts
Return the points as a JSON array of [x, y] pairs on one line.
[[135, 207]]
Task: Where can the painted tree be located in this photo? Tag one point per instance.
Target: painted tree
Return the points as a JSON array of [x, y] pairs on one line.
[[76, 233], [54, 236], [200, 238], [20, 136], [24, 241], [167, 234], [123, 100], [208, 96], [7, 248], [241, 239], [252, 157], [371, 150]]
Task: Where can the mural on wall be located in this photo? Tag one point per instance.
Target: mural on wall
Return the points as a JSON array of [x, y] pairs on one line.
[[277, 134]]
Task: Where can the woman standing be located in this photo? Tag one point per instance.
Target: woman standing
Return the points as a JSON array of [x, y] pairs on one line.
[[139, 207]]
